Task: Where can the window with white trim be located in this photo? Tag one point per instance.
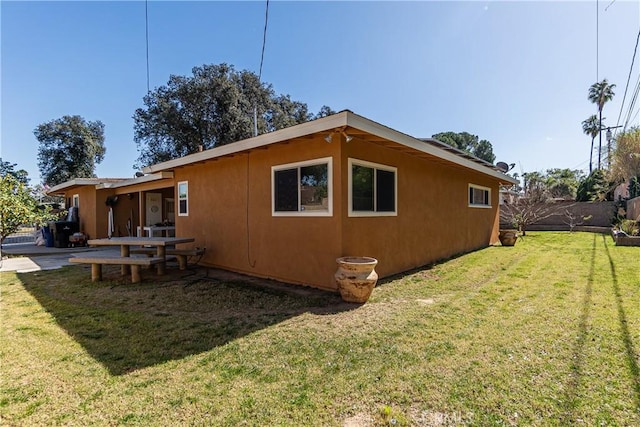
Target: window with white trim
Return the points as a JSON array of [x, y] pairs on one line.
[[76, 201], [479, 197], [183, 198], [302, 188], [372, 189]]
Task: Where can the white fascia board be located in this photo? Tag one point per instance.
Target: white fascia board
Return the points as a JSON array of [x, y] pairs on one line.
[[138, 180], [385, 132], [75, 183], [319, 125]]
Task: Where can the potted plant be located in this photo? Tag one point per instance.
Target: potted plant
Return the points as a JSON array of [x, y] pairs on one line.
[[356, 277], [627, 233]]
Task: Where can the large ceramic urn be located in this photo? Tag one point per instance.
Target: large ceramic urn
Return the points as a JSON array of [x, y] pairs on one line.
[[356, 277], [508, 237]]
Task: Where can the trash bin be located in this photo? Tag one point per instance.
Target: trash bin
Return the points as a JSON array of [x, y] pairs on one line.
[[61, 231], [48, 236]]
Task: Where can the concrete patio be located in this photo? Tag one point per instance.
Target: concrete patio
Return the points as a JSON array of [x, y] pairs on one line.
[[27, 257]]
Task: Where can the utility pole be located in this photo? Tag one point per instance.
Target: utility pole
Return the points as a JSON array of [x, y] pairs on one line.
[[609, 136]]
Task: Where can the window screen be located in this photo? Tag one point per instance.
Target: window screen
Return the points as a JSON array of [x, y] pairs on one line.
[[286, 190], [373, 188]]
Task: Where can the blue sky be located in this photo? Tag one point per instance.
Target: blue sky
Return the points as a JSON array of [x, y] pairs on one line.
[[515, 73]]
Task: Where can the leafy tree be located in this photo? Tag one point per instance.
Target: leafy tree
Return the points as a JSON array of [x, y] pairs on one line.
[[212, 107], [7, 168], [563, 183], [516, 187], [288, 113], [18, 207], [594, 187], [600, 93], [70, 147], [625, 162], [554, 183], [534, 183], [591, 127], [324, 112], [468, 143]]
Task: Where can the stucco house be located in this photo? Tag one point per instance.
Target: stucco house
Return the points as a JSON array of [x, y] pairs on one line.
[[286, 204]]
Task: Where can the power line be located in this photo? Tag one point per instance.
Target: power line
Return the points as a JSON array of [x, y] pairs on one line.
[[634, 98], [605, 9], [264, 43], [632, 104], [635, 116], [633, 59], [264, 38], [146, 22], [579, 165]]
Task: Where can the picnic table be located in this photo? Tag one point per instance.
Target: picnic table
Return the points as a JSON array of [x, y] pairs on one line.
[[125, 260]]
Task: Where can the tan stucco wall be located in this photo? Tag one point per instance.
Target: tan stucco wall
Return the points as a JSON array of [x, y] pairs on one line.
[[87, 209], [126, 206], [433, 219], [247, 238], [92, 211]]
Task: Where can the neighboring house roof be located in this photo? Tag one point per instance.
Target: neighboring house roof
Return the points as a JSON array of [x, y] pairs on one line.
[[137, 180], [458, 152], [621, 191], [355, 126], [79, 182], [102, 183]]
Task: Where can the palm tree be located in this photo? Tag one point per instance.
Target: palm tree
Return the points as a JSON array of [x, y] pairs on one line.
[[591, 127], [600, 93]]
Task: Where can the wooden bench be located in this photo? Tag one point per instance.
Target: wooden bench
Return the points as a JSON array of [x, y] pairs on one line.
[[180, 254], [97, 262]]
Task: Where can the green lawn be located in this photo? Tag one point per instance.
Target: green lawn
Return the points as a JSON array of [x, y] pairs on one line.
[[544, 333]]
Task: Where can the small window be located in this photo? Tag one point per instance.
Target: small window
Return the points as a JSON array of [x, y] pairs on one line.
[[372, 189], [479, 197], [183, 198], [76, 201], [302, 188]]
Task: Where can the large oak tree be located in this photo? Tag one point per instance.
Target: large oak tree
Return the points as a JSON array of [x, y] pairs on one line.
[[8, 168], [214, 106], [468, 143], [70, 147]]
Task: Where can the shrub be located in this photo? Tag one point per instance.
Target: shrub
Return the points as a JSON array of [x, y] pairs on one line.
[[629, 226]]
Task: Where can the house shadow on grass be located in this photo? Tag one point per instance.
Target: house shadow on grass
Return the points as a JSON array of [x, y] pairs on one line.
[[128, 327], [627, 335]]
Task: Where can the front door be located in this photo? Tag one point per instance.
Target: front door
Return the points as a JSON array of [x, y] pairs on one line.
[[154, 209]]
